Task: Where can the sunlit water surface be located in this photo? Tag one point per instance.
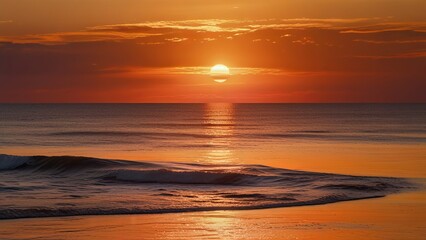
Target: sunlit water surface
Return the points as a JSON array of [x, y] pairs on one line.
[[379, 139], [192, 157]]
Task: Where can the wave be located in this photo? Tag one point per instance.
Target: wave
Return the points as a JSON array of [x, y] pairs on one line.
[[8, 162], [41, 186], [186, 177], [323, 136], [320, 135], [16, 213], [130, 171], [133, 134]]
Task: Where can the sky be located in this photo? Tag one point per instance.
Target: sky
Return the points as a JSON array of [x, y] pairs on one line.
[[162, 50]]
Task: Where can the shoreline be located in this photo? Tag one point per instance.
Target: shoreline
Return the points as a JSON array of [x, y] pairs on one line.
[[254, 208], [379, 218]]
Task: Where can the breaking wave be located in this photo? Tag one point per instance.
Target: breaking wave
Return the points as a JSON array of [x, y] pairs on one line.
[[40, 186]]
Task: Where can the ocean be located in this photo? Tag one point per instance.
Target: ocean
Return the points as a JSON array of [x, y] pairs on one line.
[[92, 159]]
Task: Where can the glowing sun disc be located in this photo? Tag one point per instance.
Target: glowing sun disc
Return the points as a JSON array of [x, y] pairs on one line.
[[220, 73]]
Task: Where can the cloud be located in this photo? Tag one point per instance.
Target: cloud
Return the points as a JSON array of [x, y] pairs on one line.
[[70, 37], [398, 56], [304, 41], [267, 57], [131, 71], [391, 41], [176, 39], [119, 32], [387, 26], [208, 25]]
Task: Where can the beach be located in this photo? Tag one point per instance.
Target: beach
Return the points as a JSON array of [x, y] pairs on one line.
[[399, 216]]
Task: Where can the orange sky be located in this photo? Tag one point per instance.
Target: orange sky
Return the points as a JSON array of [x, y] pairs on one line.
[[161, 51]]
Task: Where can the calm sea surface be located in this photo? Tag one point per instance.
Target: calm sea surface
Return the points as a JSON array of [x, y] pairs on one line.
[[301, 136]]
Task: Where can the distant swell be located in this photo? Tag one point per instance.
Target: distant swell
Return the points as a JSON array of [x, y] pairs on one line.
[[320, 135], [40, 186], [184, 177]]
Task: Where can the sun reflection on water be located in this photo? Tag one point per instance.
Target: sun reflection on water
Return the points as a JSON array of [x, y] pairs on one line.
[[219, 124]]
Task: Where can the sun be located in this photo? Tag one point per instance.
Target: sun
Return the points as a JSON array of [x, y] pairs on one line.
[[220, 73]]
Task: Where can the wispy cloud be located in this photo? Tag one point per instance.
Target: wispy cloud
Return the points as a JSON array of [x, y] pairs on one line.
[[387, 26], [391, 41], [169, 29], [402, 55], [176, 39], [70, 37], [194, 70], [208, 25]]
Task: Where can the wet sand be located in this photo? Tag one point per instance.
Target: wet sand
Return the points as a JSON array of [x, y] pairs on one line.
[[400, 216]]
